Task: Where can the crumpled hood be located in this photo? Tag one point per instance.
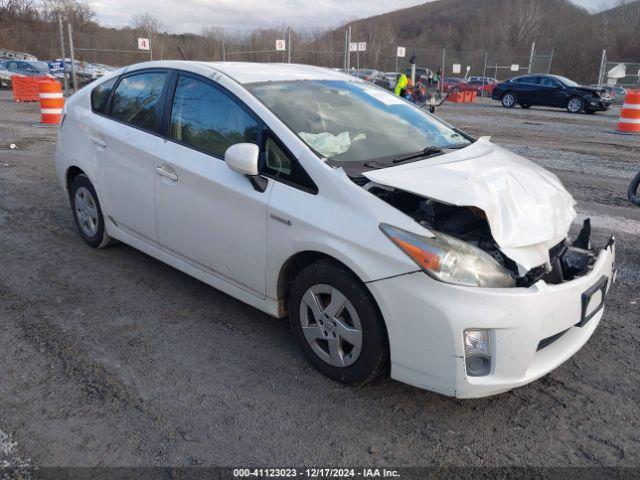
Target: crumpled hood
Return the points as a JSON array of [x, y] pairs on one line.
[[526, 205]]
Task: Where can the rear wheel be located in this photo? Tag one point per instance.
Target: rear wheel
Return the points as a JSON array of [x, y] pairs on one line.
[[509, 100], [337, 324], [87, 212], [575, 105]]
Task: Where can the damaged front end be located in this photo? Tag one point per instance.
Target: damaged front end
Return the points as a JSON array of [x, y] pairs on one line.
[[566, 261], [498, 202]]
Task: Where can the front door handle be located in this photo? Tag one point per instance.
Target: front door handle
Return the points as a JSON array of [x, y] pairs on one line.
[[166, 174], [99, 142]]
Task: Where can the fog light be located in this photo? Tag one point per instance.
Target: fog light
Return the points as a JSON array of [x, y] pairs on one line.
[[477, 352]]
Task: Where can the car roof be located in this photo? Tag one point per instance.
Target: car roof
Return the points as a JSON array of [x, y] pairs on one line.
[[251, 72]]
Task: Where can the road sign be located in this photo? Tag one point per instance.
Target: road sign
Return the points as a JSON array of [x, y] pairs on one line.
[[353, 47], [457, 68], [281, 45], [515, 67], [143, 44], [362, 46], [402, 51]]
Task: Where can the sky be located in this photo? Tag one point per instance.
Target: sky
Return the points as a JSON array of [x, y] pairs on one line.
[[192, 15]]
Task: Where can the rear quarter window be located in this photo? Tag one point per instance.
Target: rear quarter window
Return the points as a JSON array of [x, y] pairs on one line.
[[100, 94]]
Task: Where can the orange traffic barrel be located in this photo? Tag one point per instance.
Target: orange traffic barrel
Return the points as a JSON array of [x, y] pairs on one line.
[[51, 101], [630, 114]]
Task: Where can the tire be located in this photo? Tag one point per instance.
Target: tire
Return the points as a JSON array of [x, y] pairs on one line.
[[632, 193], [328, 333], [509, 99], [575, 105], [87, 212], [525, 106]]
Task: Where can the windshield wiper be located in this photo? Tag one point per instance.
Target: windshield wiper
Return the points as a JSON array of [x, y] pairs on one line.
[[422, 153]]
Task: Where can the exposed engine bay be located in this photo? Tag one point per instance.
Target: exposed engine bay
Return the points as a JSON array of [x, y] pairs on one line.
[[566, 261]]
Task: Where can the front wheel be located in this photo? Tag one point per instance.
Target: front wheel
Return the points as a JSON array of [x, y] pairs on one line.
[[337, 324], [575, 105], [509, 100]]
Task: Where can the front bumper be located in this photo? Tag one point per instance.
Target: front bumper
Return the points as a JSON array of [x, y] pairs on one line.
[[600, 104], [426, 319]]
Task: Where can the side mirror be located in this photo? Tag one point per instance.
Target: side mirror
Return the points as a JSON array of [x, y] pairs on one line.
[[243, 158]]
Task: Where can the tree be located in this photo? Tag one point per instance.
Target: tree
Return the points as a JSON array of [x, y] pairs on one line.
[[150, 26], [78, 14]]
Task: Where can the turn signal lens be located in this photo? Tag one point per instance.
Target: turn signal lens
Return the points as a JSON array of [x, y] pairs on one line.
[[450, 260]]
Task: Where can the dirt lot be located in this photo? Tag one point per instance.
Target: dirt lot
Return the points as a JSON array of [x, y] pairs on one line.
[[112, 358]]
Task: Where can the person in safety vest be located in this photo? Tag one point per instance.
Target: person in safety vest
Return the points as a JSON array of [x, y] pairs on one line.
[[401, 85]]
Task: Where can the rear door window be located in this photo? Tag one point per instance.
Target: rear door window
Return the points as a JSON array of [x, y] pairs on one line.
[[136, 100], [549, 82]]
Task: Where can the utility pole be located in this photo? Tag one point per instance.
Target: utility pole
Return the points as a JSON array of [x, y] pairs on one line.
[[73, 59], [223, 48], [484, 73], [532, 56], [150, 45], [345, 49], [64, 74], [288, 44], [550, 60], [444, 53], [348, 48], [603, 63]]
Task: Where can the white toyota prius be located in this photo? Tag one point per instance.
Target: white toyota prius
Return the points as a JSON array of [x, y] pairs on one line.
[[391, 239]]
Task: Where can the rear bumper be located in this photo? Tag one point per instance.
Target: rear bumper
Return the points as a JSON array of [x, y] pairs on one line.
[[426, 320]]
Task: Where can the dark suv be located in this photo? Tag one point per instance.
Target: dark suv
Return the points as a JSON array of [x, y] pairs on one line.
[[551, 91]]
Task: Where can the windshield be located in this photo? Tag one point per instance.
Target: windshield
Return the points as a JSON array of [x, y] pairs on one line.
[[350, 121], [566, 81]]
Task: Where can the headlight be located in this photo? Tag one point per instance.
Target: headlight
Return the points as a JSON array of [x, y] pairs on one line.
[[450, 260]]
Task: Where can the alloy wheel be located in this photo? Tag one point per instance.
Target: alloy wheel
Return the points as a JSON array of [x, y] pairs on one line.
[[509, 100], [331, 325], [575, 105], [86, 211]]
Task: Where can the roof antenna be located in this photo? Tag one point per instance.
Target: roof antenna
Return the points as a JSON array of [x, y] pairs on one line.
[[183, 57]]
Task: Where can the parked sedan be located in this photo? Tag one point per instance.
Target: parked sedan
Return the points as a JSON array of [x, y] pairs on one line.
[[422, 74], [389, 238], [484, 86], [454, 85], [373, 76], [551, 91], [5, 77], [28, 69]]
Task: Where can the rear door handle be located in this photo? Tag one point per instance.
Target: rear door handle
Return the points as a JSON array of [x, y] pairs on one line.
[[99, 142], [166, 174]]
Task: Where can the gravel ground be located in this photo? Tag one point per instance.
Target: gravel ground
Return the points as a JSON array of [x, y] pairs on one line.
[[112, 358]]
